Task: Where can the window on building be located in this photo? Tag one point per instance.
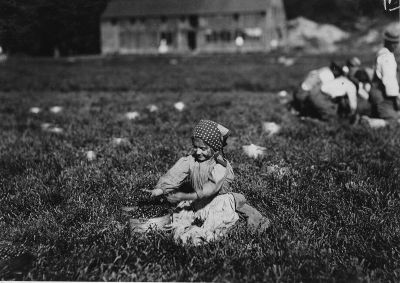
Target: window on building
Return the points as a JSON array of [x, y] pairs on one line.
[[127, 39], [194, 21], [214, 36], [225, 35], [208, 34], [219, 36], [211, 36], [113, 21], [236, 17]]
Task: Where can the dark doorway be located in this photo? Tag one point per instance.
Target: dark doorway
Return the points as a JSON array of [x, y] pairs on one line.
[[193, 21], [191, 36]]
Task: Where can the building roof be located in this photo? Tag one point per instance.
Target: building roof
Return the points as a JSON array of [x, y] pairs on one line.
[[132, 8]]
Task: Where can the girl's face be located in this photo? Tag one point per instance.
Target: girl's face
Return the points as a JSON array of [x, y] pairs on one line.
[[201, 150]]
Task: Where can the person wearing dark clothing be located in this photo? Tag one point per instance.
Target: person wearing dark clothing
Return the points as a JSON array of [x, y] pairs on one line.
[[312, 85]]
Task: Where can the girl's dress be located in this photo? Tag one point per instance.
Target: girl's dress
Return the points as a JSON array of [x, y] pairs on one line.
[[204, 219]]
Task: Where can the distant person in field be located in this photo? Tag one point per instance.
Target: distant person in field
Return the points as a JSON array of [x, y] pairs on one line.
[[361, 77], [351, 67], [384, 95], [312, 84], [334, 94], [200, 184], [163, 47], [339, 98]]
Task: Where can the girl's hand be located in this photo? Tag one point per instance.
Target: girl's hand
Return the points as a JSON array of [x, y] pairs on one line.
[[156, 193], [174, 198]]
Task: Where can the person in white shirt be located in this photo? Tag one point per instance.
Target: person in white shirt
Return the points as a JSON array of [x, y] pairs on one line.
[[325, 104], [312, 84], [384, 93], [339, 97]]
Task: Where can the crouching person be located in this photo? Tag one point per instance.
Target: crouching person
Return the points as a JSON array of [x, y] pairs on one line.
[[312, 84], [200, 184], [324, 103], [339, 97], [348, 106]]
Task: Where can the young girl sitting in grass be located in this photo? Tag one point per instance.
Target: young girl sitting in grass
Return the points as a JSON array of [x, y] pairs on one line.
[[200, 184]]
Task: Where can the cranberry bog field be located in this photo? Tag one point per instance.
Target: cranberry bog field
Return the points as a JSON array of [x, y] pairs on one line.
[[71, 157]]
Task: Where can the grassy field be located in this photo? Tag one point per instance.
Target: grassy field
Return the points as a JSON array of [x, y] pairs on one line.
[[335, 212]]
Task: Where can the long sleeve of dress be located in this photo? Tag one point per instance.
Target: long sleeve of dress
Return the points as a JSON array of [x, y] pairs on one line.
[[386, 70], [217, 178], [175, 176]]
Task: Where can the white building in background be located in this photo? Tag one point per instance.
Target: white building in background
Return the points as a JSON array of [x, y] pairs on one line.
[[152, 26]]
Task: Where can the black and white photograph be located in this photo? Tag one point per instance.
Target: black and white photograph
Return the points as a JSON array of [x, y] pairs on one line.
[[200, 140]]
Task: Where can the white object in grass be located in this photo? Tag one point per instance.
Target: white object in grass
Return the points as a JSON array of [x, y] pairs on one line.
[[56, 109], [179, 106], [120, 141], [281, 59], [374, 123], [132, 115], [254, 151], [152, 108], [35, 110], [55, 130], [271, 128], [286, 61], [173, 62], [117, 141], [90, 155], [289, 62], [45, 126], [3, 58], [282, 93], [284, 101]]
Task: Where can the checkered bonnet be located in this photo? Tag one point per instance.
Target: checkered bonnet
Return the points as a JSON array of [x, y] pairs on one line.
[[211, 133]]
